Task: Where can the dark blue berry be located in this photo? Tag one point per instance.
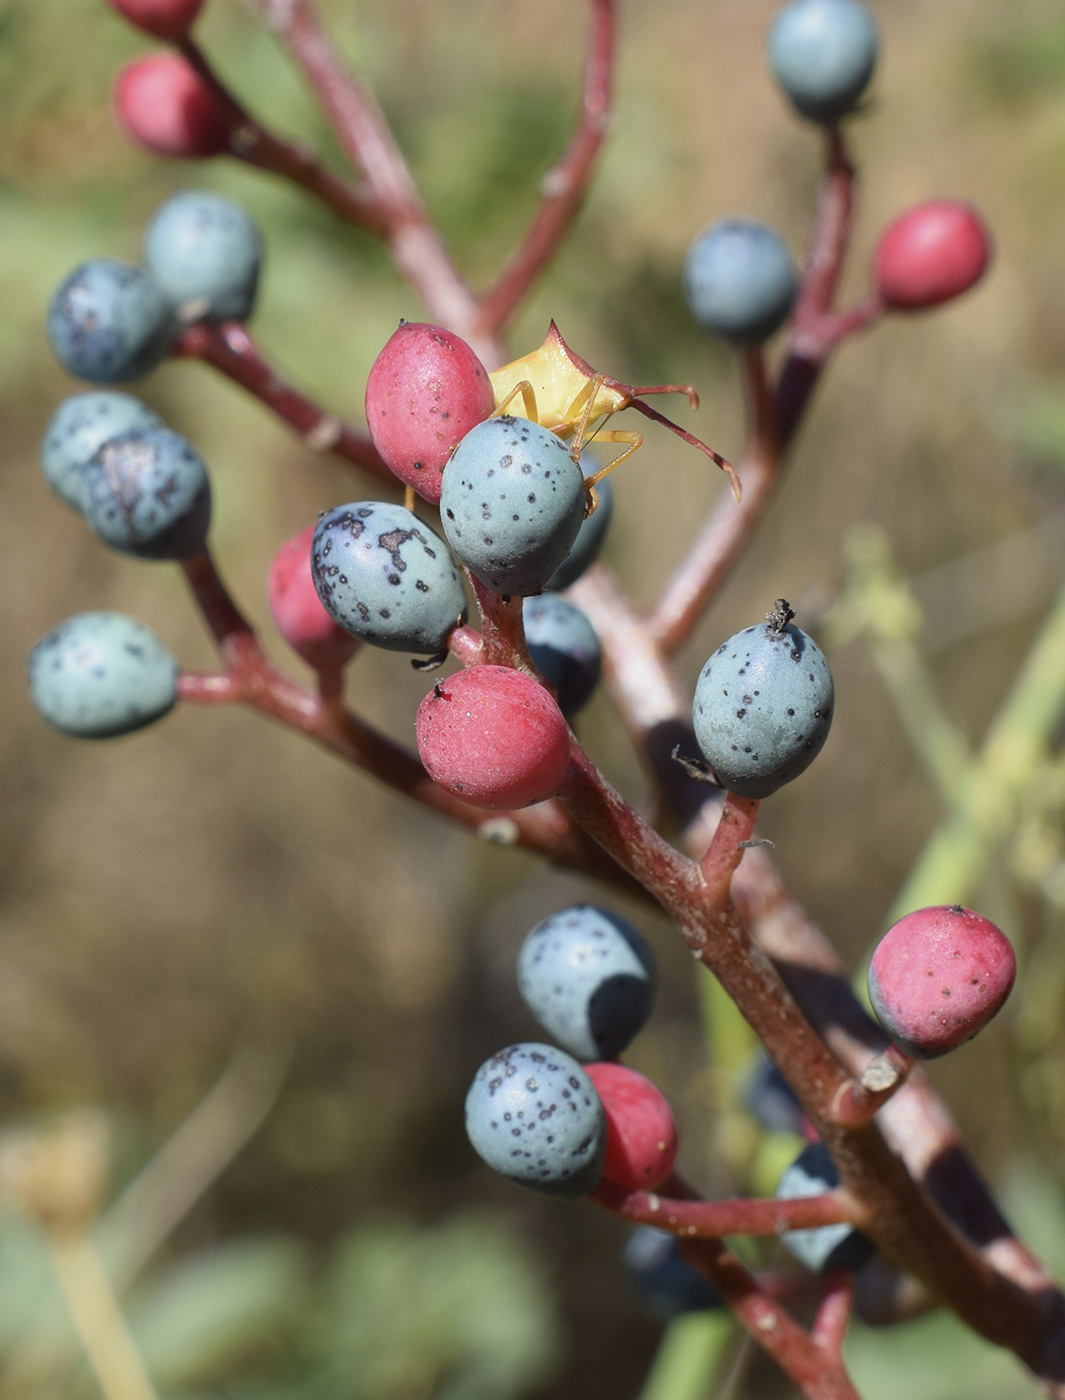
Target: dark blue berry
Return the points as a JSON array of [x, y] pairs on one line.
[[771, 1099], [79, 428], [829, 1246], [822, 53], [205, 254], [739, 280], [590, 537], [109, 322], [564, 645], [666, 1286], [147, 494]]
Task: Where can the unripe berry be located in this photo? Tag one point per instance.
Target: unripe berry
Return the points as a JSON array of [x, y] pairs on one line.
[[822, 53], [739, 280], [166, 107], [494, 737], [108, 322], [938, 976], [641, 1136], [166, 19], [823, 1247], [297, 610], [205, 253], [930, 255], [148, 494], [564, 645], [425, 392], [666, 1285], [79, 428]]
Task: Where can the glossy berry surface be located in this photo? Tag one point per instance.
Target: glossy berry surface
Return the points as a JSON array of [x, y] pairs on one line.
[[763, 707], [589, 978], [79, 428], [166, 19], [147, 494], [930, 255], [425, 392], [108, 322], [641, 1136], [533, 1115], [166, 107], [822, 53], [297, 610], [494, 737], [386, 578], [205, 253], [739, 280], [828, 1246], [512, 504], [565, 647], [100, 674], [938, 976], [666, 1286], [590, 537]]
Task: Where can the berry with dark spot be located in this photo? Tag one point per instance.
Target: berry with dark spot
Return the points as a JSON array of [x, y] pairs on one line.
[[297, 610], [739, 280], [386, 578], [79, 428], [205, 253], [590, 538], [641, 1136], [166, 19], [164, 104], [930, 255], [148, 494], [938, 976], [533, 1115], [822, 53], [666, 1286], [589, 978], [108, 322], [827, 1246], [101, 674], [565, 647]]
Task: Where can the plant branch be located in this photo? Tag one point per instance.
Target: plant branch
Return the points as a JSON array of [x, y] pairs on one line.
[[834, 1314], [709, 1219]]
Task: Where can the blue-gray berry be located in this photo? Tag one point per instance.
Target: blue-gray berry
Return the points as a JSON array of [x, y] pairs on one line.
[[534, 1116], [589, 978], [770, 1098], [147, 494], [205, 253], [565, 646], [822, 53], [763, 707], [666, 1286], [828, 1246], [79, 428], [100, 674], [739, 280], [590, 537], [108, 322], [512, 503], [386, 578]]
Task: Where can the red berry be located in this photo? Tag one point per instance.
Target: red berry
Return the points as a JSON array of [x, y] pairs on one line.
[[167, 107], [938, 976], [493, 736], [426, 390], [931, 254], [641, 1136], [297, 610], [166, 19]]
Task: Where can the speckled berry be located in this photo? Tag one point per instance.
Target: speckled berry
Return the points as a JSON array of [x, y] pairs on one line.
[[763, 707], [79, 428], [512, 504], [425, 392], [108, 322], [147, 494], [828, 1246], [822, 53], [533, 1115], [666, 1286], [641, 1136], [589, 978], [739, 280], [930, 255], [590, 537], [165, 19], [297, 610], [205, 253], [164, 104], [938, 976], [565, 647], [386, 578], [100, 674]]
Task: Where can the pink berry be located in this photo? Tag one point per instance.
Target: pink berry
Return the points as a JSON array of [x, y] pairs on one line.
[[167, 107], [494, 737], [166, 19], [641, 1136], [931, 254], [297, 610], [426, 390], [938, 976]]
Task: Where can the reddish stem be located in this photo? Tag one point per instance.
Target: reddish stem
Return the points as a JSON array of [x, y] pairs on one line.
[[834, 1314], [502, 628], [208, 688], [859, 1099], [709, 1219], [734, 829], [466, 646]]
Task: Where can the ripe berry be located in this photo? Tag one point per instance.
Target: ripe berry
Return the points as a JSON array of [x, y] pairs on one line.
[[641, 1136], [166, 19], [147, 494], [564, 645], [589, 978], [493, 736], [739, 280], [512, 503], [533, 1115], [205, 254], [771, 1100], [386, 578], [763, 706], [166, 107], [108, 322], [425, 392], [589, 541], [667, 1286], [78, 428], [931, 254], [827, 1246], [297, 610], [822, 53], [100, 674], [938, 976]]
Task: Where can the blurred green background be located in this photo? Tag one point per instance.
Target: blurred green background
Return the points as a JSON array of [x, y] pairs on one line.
[[215, 882]]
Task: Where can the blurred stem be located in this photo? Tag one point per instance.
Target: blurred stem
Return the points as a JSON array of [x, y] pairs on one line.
[[688, 1357]]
